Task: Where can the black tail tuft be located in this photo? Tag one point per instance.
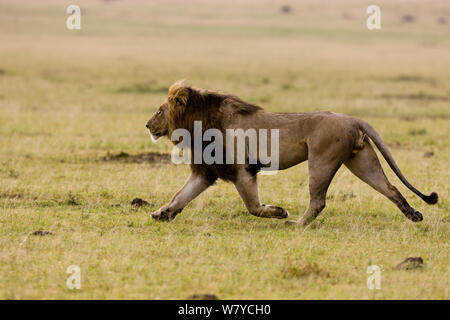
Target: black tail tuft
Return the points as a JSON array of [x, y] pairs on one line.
[[432, 198]]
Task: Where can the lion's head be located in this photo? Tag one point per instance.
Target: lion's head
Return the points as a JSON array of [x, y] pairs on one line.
[[158, 123], [185, 104], [162, 122]]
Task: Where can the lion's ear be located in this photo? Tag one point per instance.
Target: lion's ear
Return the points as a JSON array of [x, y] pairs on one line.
[[178, 94]]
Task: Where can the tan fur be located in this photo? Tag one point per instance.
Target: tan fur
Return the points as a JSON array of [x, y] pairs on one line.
[[327, 140]]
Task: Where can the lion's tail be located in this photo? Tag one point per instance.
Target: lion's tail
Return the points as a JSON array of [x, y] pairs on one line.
[[373, 135]]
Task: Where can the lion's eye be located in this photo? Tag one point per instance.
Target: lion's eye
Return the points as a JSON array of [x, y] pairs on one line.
[[159, 112]]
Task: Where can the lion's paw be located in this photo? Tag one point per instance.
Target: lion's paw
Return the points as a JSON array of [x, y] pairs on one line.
[[271, 211], [414, 215], [165, 214], [283, 213]]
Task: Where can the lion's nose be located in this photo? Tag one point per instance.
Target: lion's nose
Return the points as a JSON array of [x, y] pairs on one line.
[[147, 126]]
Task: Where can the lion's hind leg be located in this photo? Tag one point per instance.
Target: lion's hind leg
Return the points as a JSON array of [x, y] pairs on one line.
[[366, 166], [247, 186]]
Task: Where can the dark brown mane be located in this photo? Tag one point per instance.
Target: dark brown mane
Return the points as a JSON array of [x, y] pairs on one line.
[[188, 104], [239, 106]]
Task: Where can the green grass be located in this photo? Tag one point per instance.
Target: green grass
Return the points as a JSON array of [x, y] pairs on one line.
[[67, 98]]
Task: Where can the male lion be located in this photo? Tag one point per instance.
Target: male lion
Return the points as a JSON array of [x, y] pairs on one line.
[[327, 140]]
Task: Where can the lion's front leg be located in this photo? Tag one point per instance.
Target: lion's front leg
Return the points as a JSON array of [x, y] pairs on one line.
[[194, 185], [247, 186]]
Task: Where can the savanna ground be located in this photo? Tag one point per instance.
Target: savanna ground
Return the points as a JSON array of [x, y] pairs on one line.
[[70, 98]]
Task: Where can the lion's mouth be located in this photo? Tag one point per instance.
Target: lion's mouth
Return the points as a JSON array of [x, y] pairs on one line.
[[155, 136]]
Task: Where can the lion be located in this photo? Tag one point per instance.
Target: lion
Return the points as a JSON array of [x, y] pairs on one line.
[[325, 139]]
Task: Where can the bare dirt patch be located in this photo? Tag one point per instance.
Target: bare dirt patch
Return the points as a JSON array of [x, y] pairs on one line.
[[42, 233], [39, 233], [138, 202], [147, 157], [410, 264]]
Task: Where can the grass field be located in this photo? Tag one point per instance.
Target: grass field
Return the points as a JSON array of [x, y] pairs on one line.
[[73, 101]]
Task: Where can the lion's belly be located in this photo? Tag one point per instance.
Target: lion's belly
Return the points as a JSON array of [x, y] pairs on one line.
[[290, 155]]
